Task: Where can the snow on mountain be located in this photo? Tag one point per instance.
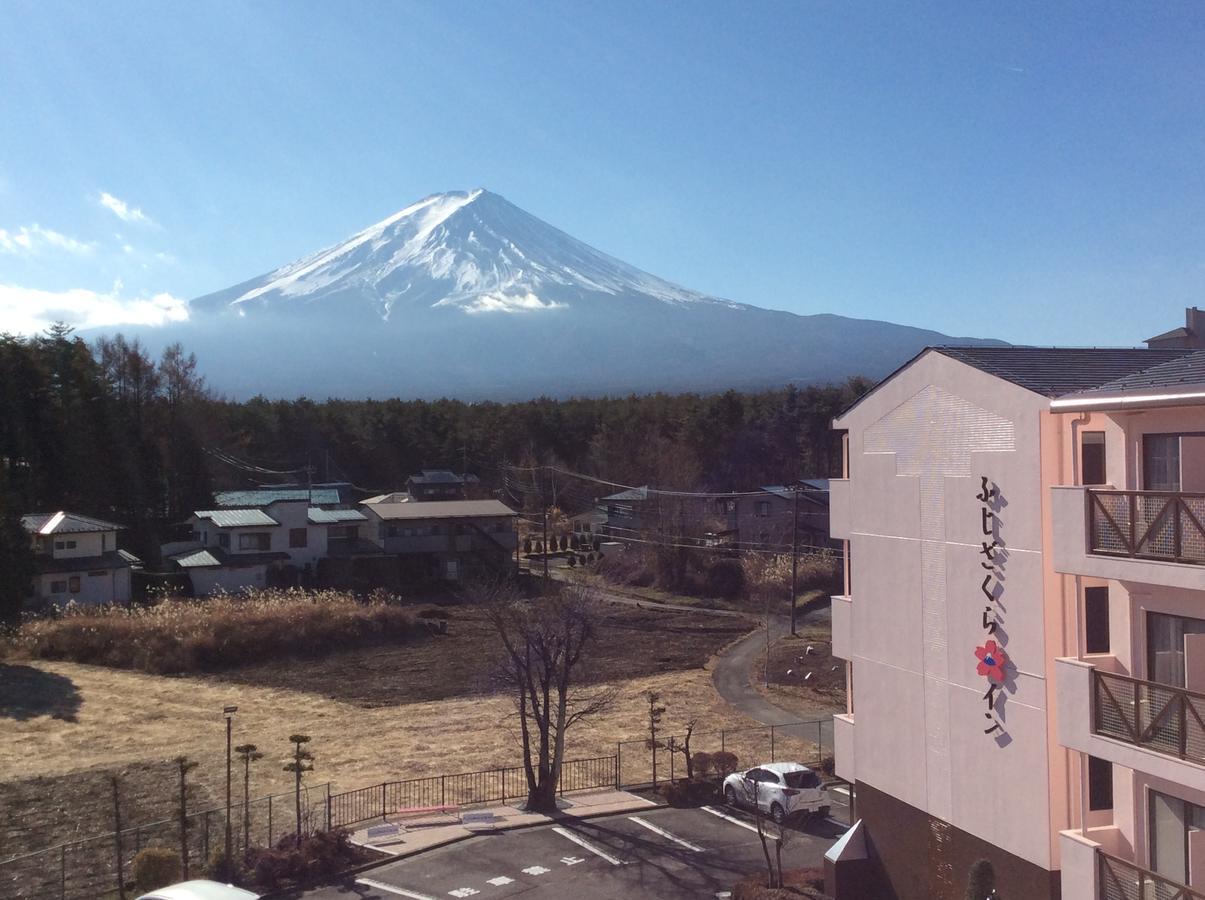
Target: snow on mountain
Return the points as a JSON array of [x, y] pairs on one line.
[[473, 251], [464, 294]]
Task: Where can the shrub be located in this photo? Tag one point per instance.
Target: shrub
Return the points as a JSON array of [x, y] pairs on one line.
[[702, 763], [725, 578], [527, 546], [155, 867], [725, 763], [321, 856], [828, 765], [221, 868], [178, 636], [572, 560], [798, 884], [981, 882], [688, 793]]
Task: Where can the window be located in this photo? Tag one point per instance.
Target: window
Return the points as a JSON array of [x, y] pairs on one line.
[[390, 531], [1092, 457], [223, 540], [298, 537], [762, 508], [1100, 784], [802, 780], [435, 529], [1096, 620], [99, 573], [58, 587], [64, 545], [453, 569], [73, 584], [1165, 646], [1161, 462], [459, 528], [255, 540]]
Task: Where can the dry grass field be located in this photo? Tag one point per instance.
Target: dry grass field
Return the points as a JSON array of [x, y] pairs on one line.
[[375, 714], [790, 667]]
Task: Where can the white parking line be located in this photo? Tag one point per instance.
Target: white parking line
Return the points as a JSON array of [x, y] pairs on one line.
[[582, 842], [390, 889], [657, 829], [732, 819]]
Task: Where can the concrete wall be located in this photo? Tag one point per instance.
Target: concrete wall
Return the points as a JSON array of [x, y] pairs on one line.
[[917, 446]]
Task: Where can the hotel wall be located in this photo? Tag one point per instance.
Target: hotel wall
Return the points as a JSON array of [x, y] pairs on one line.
[[917, 446]]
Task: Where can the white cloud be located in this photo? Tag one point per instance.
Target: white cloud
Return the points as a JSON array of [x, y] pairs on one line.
[[32, 238], [123, 210], [30, 311]]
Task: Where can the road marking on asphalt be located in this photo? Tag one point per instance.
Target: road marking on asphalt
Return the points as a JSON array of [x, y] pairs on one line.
[[535, 870], [464, 892], [572, 860], [837, 789], [390, 889], [500, 880], [582, 842], [733, 819], [657, 829]]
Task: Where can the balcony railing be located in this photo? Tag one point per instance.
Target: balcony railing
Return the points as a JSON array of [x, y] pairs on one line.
[[1156, 525], [1157, 717], [1121, 880]]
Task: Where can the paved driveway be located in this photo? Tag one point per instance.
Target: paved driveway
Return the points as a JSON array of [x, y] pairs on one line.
[[663, 853]]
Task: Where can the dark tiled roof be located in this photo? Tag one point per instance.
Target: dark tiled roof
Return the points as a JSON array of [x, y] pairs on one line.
[[218, 556], [441, 476], [1184, 370], [266, 496], [1053, 371], [114, 559], [68, 523]]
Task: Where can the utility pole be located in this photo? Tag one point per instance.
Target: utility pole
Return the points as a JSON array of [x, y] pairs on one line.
[[794, 550], [121, 876]]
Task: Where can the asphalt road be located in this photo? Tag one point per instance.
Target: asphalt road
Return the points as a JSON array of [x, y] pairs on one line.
[[663, 853]]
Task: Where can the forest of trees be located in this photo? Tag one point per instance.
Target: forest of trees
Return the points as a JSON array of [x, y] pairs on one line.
[[106, 430]]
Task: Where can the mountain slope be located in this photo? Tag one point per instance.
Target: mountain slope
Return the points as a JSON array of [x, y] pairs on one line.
[[466, 294]]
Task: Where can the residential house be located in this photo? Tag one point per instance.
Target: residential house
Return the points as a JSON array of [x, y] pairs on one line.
[[440, 484], [77, 559], [445, 539], [394, 497], [233, 549], [1024, 625]]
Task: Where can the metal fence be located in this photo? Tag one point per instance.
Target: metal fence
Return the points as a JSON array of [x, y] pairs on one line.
[[1157, 717], [1121, 880], [641, 763], [87, 869], [1148, 525]]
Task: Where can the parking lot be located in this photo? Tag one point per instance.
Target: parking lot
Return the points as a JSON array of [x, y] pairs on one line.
[[664, 853]]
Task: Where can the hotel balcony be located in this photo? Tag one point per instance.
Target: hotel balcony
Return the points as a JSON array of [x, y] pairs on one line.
[[1094, 867], [1154, 537], [1153, 728]]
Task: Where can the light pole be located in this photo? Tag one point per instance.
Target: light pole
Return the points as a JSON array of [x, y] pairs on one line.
[[228, 712]]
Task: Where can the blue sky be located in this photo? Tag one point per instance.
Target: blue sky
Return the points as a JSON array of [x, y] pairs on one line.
[[1010, 170]]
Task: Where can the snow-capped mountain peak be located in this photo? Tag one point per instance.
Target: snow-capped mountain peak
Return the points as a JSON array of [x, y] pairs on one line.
[[468, 250]]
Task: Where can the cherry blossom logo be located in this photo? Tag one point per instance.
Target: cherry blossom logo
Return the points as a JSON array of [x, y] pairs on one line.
[[993, 662]]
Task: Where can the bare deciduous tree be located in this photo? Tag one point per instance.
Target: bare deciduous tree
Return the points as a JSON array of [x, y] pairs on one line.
[[545, 643]]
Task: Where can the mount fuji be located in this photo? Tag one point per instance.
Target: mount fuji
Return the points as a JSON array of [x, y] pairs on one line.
[[464, 294]]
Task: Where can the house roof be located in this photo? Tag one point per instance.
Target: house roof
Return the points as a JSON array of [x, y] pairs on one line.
[[317, 516], [395, 497], [441, 476], [1188, 369], [640, 493], [236, 518], [1180, 332], [265, 496], [211, 557], [114, 559], [442, 509], [1053, 371], [808, 495], [359, 547], [65, 523]]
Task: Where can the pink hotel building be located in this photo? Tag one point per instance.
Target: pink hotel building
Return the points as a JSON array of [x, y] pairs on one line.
[[1024, 624]]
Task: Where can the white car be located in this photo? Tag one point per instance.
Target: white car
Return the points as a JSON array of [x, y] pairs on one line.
[[200, 890], [781, 790]]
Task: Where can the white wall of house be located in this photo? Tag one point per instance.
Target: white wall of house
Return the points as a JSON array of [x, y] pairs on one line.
[[69, 546], [293, 519], [229, 580], [94, 586]]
